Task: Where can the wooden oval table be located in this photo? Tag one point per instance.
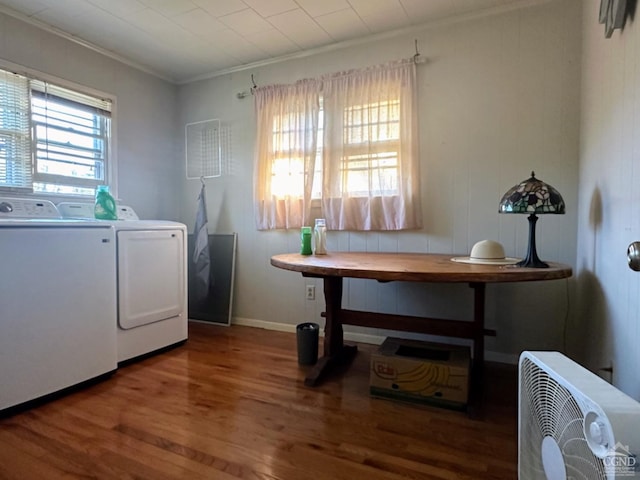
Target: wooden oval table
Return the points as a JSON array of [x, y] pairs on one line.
[[411, 267]]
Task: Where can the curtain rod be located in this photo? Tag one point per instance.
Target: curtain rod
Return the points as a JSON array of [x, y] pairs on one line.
[[416, 58]]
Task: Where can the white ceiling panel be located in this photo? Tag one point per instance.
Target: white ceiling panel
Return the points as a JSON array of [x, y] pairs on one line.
[[273, 42], [246, 22], [316, 8], [219, 8], [366, 8], [438, 9], [151, 21], [301, 29], [119, 8], [268, 8], [343, 24], [72, 9], [181, 40], [237, 46], [199, 22], [28, 7], [170, 8], [381, 21]]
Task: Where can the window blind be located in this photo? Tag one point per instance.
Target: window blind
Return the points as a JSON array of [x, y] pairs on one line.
[[15, 139], [91, 102]]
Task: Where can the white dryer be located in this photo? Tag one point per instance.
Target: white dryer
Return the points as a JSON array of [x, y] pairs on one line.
[[151, 264]]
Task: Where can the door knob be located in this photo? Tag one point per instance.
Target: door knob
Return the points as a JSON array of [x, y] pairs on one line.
[[633, 256]]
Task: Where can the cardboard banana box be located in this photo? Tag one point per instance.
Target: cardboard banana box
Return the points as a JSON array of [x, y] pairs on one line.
[[421, 372]]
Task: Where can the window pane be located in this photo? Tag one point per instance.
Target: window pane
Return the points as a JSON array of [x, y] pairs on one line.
[[67, 169], [372, 174], [62, 189], [71, 142], [288, 133], [372, 140], [374, 122], [316, 189], [287, 177]]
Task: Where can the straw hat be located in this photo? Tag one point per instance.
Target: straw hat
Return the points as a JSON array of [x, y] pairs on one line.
[[487, 252]]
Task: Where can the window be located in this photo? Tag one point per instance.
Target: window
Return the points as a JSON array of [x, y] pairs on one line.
[[53, 139], [348, 143], [372, 133], [372, 144]]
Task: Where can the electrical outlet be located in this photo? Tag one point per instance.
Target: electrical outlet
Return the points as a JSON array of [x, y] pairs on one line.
[[311, 292]]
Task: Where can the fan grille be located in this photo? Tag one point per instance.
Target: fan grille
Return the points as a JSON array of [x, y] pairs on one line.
[[548, 409]]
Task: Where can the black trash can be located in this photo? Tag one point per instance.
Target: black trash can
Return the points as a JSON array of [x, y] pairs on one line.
[[307, 337]]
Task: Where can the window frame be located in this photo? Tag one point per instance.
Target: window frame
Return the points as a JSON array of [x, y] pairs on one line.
[[110, 164]]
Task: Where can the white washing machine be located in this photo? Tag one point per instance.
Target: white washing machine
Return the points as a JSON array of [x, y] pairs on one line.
[[57, 301], [151, 265]]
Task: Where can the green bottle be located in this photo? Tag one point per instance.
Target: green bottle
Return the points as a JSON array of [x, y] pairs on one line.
[[305, 244], [105, 204]]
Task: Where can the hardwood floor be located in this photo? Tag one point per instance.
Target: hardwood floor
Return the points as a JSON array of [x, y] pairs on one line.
[[231, 404]]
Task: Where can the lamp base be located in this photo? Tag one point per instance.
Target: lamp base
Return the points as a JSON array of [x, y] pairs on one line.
[[532, 260], [532, 263]]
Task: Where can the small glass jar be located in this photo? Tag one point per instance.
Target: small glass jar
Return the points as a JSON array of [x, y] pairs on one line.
[[320, 237]]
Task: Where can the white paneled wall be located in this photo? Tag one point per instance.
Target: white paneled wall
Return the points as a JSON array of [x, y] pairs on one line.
[[607, 327], [498, 97]]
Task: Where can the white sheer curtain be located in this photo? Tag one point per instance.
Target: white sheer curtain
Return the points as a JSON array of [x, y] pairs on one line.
[[370, 155], [367, 157], [287, 126]]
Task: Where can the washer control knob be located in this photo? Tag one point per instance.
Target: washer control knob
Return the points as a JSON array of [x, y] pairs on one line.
[[6, 207]]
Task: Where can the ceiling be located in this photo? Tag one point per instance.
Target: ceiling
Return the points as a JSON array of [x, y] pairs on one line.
[[182, 40]]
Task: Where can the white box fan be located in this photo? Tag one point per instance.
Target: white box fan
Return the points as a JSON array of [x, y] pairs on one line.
[[572, 424]]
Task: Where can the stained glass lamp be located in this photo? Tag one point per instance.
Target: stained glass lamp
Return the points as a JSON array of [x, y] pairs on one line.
[[534, 197]]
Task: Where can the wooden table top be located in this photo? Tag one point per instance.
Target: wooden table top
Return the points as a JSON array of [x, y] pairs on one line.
[[418, 267]]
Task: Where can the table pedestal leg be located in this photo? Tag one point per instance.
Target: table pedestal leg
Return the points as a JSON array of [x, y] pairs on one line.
[[335, 351], [477, 366]]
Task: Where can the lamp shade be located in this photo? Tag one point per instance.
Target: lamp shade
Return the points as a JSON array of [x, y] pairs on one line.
[[532, 196]]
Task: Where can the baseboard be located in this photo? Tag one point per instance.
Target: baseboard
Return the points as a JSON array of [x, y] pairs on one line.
[[497, 357]]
